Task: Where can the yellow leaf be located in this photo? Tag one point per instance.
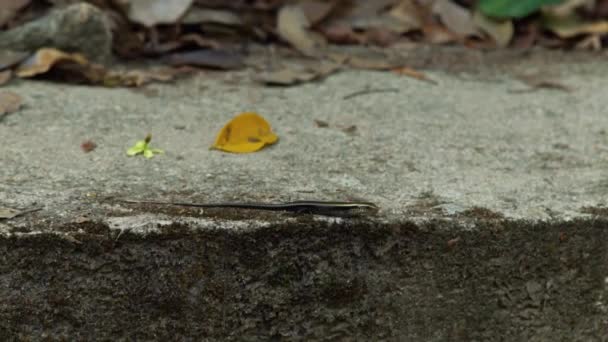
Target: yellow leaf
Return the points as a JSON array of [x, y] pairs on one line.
[[247, 132]]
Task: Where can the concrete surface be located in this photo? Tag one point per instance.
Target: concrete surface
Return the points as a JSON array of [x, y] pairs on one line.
[[492, 222]]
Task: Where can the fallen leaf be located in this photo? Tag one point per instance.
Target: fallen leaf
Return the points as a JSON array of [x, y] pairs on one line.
[[184, 41], [137, 78], [198, 15], [293, 27], [247, 132], [44, 59], [316, 10], [413, 73], [153, 12], [296, 75], [409, 13], [455, 18], [572, 26], [567, 8], [217, 59], [505, 9], [10, 102], [592, 42], [143, 147], [88, 146], [5, 76], [500, 31], [381, 37], [9, 8], [436, 33], [8, 213], [342, 34], [365, 14], [75, 68]]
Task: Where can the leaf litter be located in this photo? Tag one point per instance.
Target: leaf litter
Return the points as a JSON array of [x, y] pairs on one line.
[[214, 34]]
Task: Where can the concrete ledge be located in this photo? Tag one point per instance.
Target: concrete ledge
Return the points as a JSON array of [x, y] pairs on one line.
[[493, 221], [309, 280]]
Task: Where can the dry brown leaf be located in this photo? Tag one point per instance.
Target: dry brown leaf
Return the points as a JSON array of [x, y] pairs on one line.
[[500, 31], [74, 68], [9, 8], [342, 34], [568, 27], [88, 146], [317, 10], [216, 59], [10, 102], [568, 7], [293, 27], [455, 18], [381, 37], [186, 40], [5, 76], [198, 15], [296, 75], [409, 14], [435, 33], [153, 12], [363, 14], [44, 59], [593, 42]]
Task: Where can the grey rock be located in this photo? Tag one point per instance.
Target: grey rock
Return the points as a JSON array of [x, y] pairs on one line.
[[76, 28]]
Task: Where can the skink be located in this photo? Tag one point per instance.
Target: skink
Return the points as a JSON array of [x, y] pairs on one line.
[[313, 207]]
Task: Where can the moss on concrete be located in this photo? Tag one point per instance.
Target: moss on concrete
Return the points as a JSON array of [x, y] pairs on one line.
[[310, 281]]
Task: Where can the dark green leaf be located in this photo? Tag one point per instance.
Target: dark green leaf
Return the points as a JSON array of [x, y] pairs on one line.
[[505, 9]]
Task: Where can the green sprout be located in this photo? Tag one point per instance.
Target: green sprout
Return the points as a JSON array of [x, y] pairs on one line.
[[143, 147]]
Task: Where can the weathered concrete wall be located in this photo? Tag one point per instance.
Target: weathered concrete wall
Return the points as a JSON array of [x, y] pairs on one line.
[[310, 280]]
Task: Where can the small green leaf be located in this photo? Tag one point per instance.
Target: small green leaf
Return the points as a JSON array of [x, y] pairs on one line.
[[138, 148], [506, 9], [143, 147]]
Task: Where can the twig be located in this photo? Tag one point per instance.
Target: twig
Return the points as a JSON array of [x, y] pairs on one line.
[[414, 74], [370, 91]]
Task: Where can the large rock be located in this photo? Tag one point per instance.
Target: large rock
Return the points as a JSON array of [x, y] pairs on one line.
[[77, 28]]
